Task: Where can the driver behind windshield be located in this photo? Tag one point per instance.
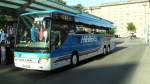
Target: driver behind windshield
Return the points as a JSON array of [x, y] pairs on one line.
[[33, 32]]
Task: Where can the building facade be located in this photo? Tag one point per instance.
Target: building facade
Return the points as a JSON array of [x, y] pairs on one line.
[[121, 13]]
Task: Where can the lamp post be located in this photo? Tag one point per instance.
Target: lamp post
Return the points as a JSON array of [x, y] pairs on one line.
[[91, 9], [146, 29]]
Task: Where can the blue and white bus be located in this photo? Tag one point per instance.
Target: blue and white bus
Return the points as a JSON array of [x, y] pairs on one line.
[[48, 40]]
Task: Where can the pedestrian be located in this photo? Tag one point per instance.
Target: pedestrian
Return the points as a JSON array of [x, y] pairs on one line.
[[2, 37], [3, 54]]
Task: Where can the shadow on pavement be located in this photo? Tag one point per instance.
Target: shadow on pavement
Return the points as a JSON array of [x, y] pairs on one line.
[[118, 49], [118, 42], [108, 74], [111, 74]]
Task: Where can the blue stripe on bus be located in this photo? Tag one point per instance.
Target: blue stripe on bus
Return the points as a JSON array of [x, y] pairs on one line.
[[67, 57]]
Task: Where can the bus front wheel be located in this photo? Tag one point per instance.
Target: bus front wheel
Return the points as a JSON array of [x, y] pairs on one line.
[[74, 60], [104, 51]]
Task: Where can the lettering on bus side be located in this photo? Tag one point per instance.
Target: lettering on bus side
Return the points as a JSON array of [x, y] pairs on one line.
[[88, 39]]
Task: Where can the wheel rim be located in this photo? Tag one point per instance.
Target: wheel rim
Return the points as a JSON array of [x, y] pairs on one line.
[[74, 60], [108, 50], [104, 51]]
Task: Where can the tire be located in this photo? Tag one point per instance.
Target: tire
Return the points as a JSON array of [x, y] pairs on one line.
[[108, 50], [74, 60], [104, 51]]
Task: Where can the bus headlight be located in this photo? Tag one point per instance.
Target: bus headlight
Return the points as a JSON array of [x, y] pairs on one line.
[[43, 60]]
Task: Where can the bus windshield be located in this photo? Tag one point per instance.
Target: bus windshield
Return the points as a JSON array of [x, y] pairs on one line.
[[32, 31]]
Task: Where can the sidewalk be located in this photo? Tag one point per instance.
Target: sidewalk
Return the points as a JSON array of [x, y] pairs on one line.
[[142, 74], [129, 42]]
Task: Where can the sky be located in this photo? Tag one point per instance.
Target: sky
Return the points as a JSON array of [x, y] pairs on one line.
[[88, 3]]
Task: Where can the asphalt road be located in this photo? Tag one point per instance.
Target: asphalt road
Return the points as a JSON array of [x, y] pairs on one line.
[[115, 68]]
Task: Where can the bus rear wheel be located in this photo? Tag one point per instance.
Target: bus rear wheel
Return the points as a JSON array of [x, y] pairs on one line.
[[108, 49]]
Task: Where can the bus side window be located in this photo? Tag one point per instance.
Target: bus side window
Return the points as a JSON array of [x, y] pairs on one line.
[[83, 29], [55, 39]]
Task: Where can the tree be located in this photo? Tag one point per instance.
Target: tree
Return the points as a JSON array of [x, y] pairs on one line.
[[112, 31], [79, 7], [59, 1], [131, 27]]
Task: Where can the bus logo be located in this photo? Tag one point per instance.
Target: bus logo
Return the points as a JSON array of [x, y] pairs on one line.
[[88, 39]]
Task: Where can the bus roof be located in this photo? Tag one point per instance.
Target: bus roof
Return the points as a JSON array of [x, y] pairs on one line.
[[79, 17]]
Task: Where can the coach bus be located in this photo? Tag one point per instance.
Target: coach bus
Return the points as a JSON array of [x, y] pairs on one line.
[[47, 40]]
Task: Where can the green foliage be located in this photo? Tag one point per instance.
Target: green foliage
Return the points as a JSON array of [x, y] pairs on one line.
[[79, 7], [112, 31], [59, 1], [131, 27], [102, 33]]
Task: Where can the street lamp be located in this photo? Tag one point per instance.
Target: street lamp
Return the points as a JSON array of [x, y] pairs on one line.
[[146, 29]]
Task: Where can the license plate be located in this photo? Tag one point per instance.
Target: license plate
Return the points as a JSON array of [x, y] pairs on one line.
[[29, 60]]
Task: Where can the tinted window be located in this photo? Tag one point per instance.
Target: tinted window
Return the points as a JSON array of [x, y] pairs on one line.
[[61, 26]]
